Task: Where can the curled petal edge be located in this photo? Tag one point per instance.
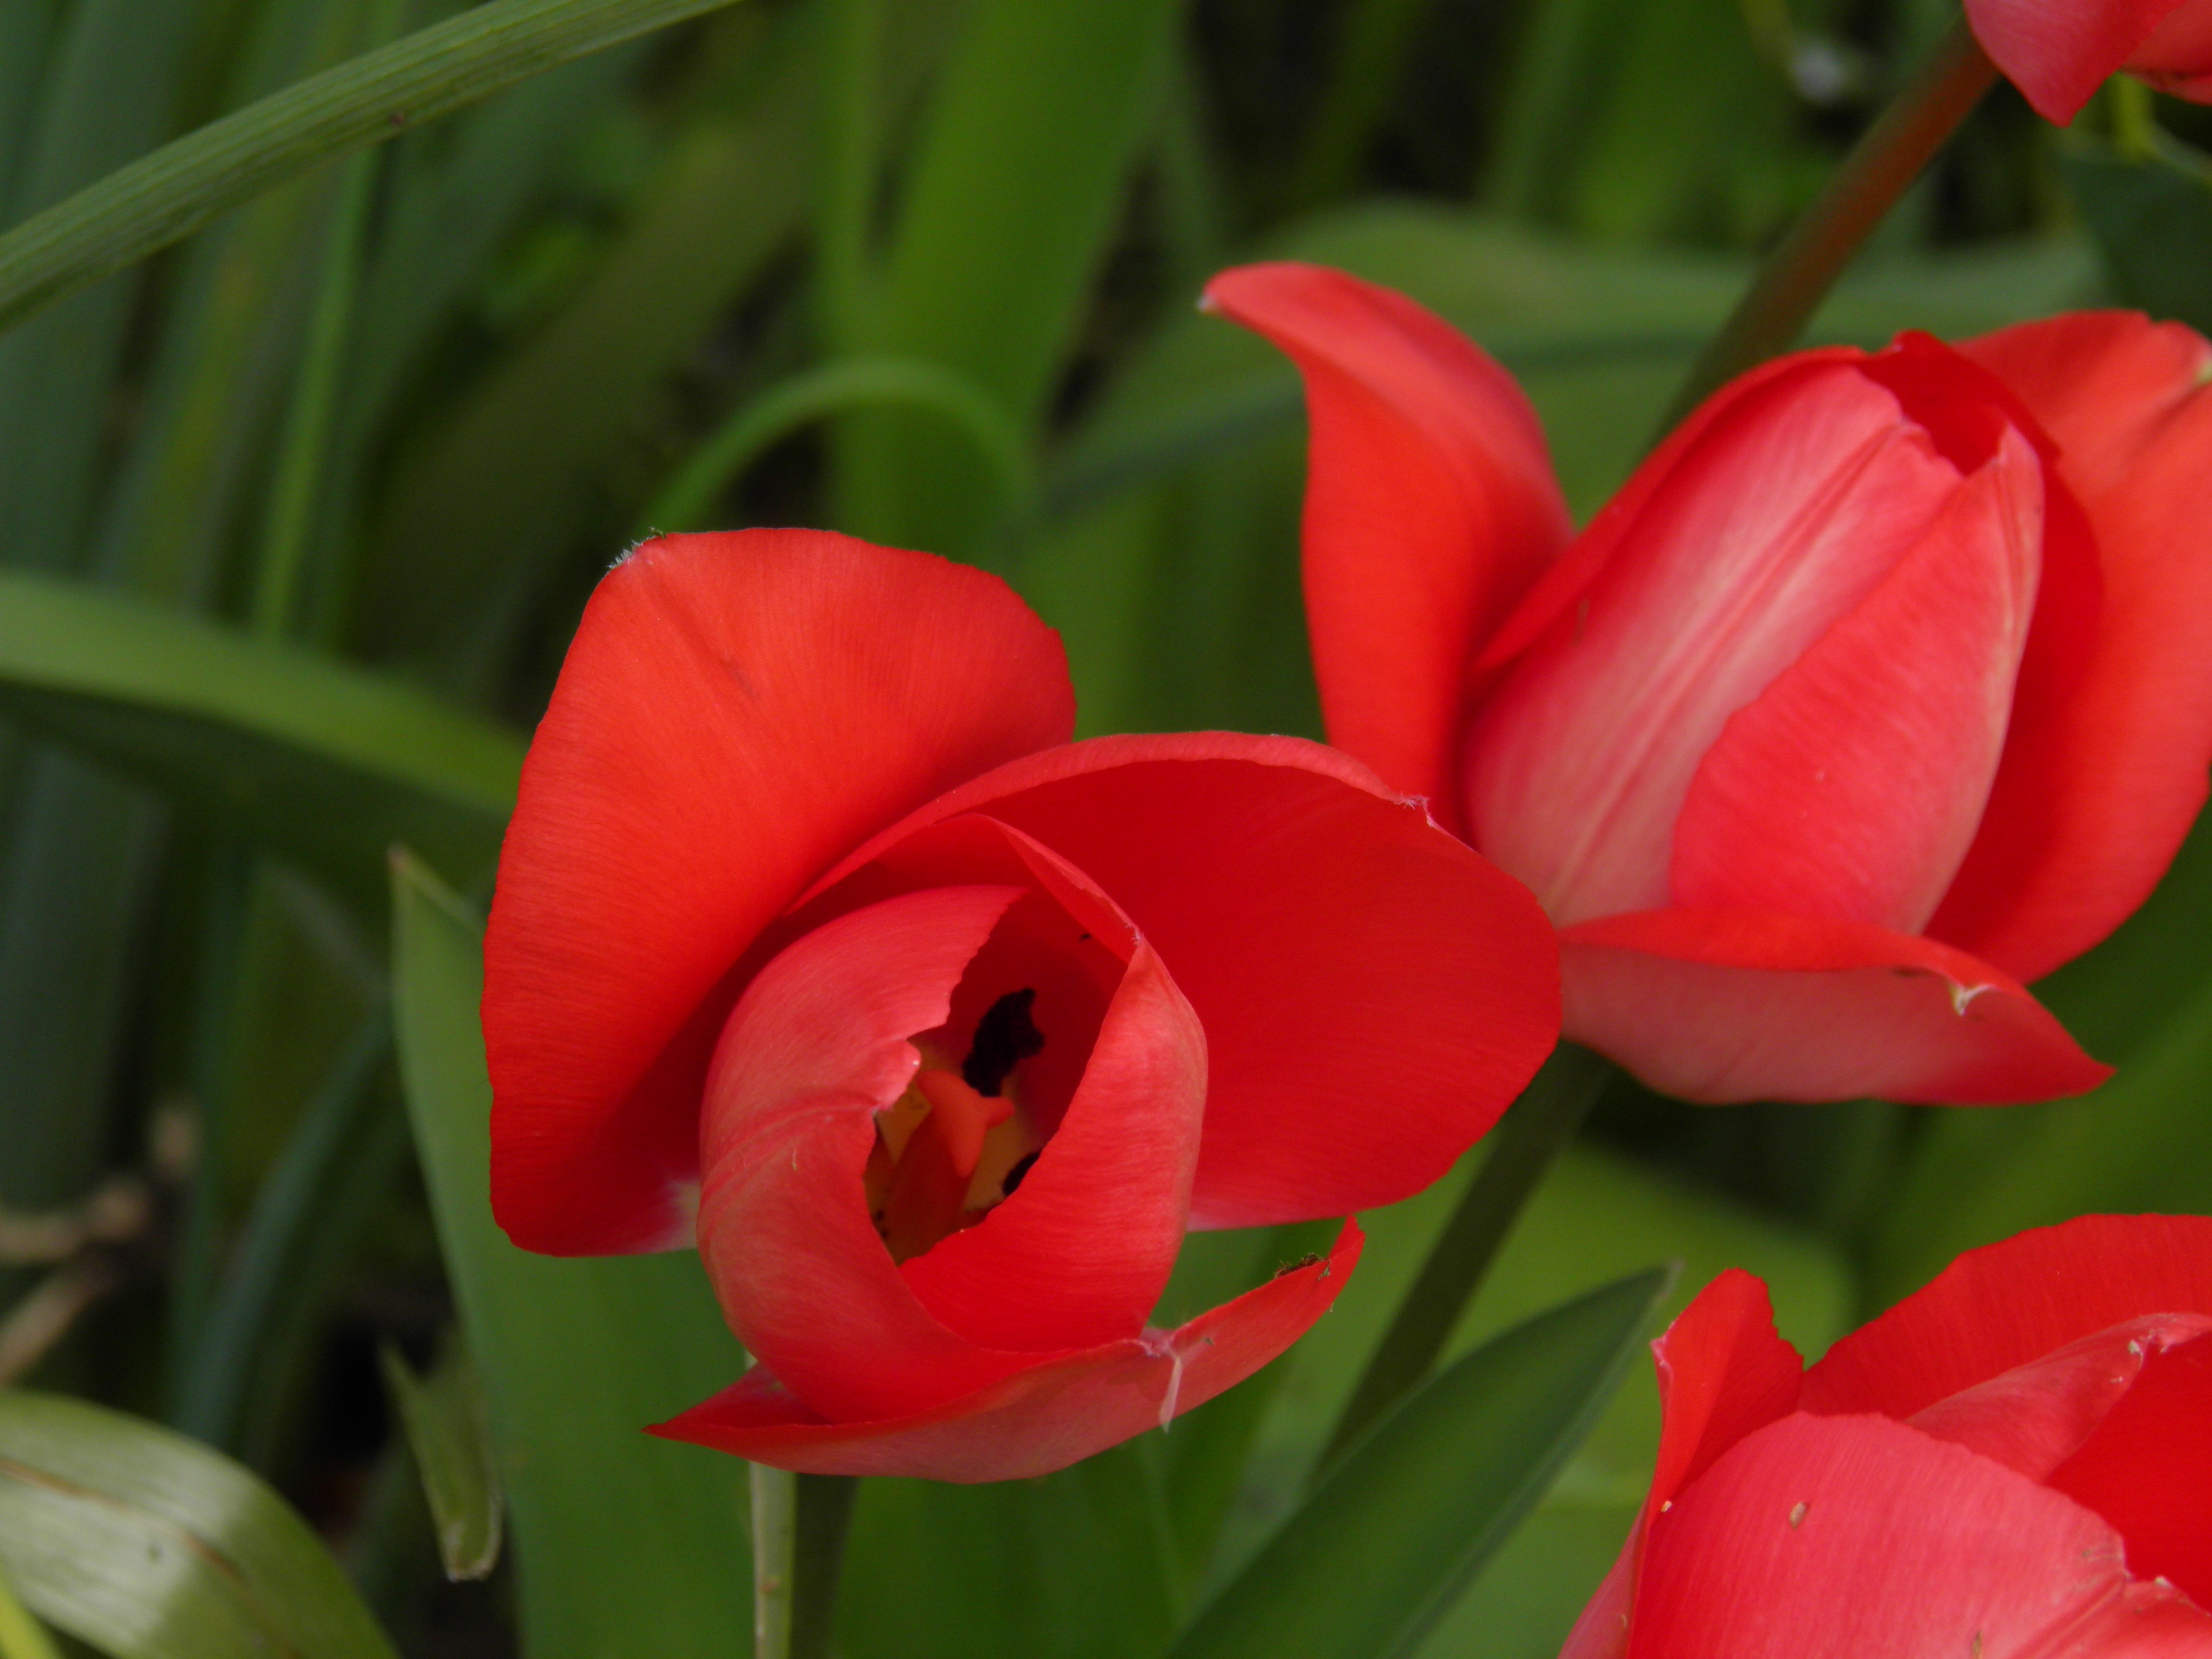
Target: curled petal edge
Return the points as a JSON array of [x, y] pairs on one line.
[[1053, 1413], [1722, 1007]]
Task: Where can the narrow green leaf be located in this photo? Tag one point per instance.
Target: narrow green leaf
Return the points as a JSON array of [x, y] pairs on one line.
[[1014, 193], [1599, 1218], [488, 499], [443, 1415], [148, 1546], [1369, 1564], [620, 1539], [324, 763], [337, 1166], [169, 194], [105, 97], [1078, 1565]]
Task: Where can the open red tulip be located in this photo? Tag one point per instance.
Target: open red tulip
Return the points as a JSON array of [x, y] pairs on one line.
[[2013, 1463], [2058, 54], [815, 939], [1884, 686]]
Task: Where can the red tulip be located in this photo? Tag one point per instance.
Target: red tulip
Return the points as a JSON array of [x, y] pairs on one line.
[[812, 927], [2014, 1463], [1884, 686], [2058, 54]]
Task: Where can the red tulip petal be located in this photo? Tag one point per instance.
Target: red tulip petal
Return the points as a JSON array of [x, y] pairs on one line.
[[735, 713], [2011, 1303], [1601, 1630], [2036, 1416], [1080, 1252], [1564, 582], [2177, 56], [1055, 1413], [1723, 1372], [2147, 1469], [1801, 498], [1842, 1538], [1852, 787], [1722, 1007], [1431, 506], [2058, 55], [818, 1044], [1374, 994], [2098, 789]]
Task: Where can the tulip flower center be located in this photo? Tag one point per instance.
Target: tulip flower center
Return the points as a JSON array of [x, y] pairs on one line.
[[958, 1143]]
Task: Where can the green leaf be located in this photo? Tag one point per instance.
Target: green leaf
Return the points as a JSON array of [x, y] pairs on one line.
[[2143, 1142], [620, 1539], [2152, 220], [21, 1636], [688, 499], [494, 492], [1598, 1218], [1075, 1566], [324, 763], [1014, 186], [443, 1414], [1369, 1564], [149, 1545], [174, 191], [2142, 1000]]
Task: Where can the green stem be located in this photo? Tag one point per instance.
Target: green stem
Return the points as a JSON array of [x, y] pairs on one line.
[[21, 1636], [2134, 119], [825, 1512], [1797, 275], [1530, 1137], [833, 388], [776, 1538]]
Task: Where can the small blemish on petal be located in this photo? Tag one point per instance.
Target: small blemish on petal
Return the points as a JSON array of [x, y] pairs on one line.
[[1798, 1515], [1963, 995]]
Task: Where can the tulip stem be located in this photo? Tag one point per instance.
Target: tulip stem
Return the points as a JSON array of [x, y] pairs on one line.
[[1941, 93], [825, 1508], [1527, 1140], [776, 1538]]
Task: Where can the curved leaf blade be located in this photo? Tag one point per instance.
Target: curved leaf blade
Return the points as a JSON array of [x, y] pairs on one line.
[[323, 763], [443, 1416], [164, 196], [1374, 1557], [615, 1533], [149, 1545]]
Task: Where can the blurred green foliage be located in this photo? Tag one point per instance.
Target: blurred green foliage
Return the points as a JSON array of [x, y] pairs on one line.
[[297, 518]]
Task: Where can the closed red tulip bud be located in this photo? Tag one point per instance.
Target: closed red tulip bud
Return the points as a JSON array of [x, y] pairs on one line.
[[2014, 1463], [1884, 687], [816, 940], [2059, 54]]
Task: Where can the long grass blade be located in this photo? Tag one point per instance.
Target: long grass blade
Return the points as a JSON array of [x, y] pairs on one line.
[[174, 191]]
